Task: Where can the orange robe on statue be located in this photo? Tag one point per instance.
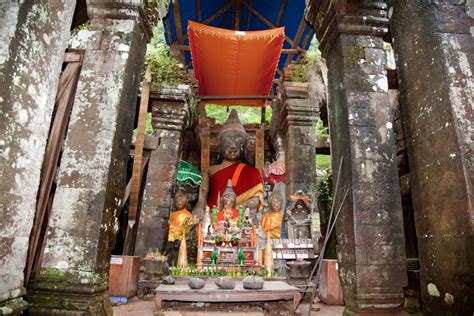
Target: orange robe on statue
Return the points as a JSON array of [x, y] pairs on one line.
[[177, 220], [246, 182], [271, 224]]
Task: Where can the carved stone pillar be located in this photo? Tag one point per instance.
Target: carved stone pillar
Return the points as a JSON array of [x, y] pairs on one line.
[[92, 174], [169, 118], [298, 120], [370, 237], [435, 49], [33, 39]]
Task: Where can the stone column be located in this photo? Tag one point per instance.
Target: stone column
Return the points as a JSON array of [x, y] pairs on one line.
[[169, 118], [92, 174], [435, 57], [298, 126], [370, 237], [33, 39]]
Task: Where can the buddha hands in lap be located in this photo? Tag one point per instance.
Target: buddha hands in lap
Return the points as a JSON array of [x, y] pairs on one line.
[[245, 179]]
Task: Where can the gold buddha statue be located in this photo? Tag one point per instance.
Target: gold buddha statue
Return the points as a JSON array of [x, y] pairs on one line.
[[271, 222], [181, 219]]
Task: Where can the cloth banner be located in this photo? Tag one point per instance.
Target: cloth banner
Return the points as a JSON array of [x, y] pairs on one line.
[[234, 63]]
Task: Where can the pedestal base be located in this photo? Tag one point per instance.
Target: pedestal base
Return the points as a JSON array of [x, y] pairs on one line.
[[58, 298], [13, 306]]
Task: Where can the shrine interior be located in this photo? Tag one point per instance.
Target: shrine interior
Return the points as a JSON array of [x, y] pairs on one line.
[[305, 156]]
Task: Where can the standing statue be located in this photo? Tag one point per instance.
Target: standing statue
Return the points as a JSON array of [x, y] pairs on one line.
[[245, 179], [271, 222], [180, 221]]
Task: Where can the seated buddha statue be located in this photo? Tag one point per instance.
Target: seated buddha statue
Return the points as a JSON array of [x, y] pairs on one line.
[[181, 219], [228, 212], [271, 222], [245, 179]]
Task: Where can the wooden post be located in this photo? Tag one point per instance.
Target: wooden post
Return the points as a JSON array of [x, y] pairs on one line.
[[205, 150], [64, 103], [137, 161], [259, 149]]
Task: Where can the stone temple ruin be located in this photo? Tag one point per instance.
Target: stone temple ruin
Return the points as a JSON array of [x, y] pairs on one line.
[[400, 125]]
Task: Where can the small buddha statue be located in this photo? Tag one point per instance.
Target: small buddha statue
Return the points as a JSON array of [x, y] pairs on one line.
[[271, 222], [180, 218], [180, 221], [298, 216], [228, 212]]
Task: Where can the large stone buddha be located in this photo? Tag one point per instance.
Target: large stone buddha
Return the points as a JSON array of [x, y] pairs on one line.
[[246, 180]]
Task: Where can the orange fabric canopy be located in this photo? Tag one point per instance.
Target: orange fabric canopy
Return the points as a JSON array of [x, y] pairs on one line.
[[234, 63]]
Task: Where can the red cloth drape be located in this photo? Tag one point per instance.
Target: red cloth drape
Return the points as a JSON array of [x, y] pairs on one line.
[[250, 181]]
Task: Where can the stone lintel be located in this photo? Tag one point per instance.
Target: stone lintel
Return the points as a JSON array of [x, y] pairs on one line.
[[103, 9], [169, 115], [297, 90], [297, 112], [180, 92], [330, 20]]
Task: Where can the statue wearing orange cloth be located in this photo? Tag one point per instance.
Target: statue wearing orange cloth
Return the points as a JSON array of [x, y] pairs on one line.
[[181, 219], [271, 222], [245, 179]]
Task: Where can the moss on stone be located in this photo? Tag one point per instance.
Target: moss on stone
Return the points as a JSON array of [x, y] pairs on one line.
[[412, 306], [353, 53]]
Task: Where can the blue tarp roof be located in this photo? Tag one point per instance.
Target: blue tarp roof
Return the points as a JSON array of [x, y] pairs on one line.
[[292, 14]]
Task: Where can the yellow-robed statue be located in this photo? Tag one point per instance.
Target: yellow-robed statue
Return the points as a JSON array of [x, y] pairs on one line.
[[271, 222], [181, 219]]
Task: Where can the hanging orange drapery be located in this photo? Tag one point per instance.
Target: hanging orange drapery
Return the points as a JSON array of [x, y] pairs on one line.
[[234, 63]]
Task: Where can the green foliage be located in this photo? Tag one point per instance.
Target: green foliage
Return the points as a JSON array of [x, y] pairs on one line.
[[158, 38], [148, 126], [165, 69], [325, 190], [247, 114], [321, 131], [323, 162], [354, 53], [311, 60], [85, 26]]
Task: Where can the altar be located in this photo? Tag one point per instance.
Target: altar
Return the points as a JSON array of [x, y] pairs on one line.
[[272, 291]]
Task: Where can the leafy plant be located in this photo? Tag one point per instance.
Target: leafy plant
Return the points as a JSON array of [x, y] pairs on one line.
[[310, 61], [165, 69], [247, 114], [325, 190], [85, 26]]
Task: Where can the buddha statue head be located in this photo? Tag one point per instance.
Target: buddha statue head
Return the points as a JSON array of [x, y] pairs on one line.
[[180, 199], [276, 201], [232, 139]]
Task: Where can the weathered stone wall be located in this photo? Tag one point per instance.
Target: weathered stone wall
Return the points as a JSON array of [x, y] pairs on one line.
[[370, 238], [435, 58], [298, 118], [169, 118], [92, 174], [33, 39]]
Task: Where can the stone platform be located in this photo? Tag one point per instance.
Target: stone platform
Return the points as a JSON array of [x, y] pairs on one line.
[[272, 291]]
